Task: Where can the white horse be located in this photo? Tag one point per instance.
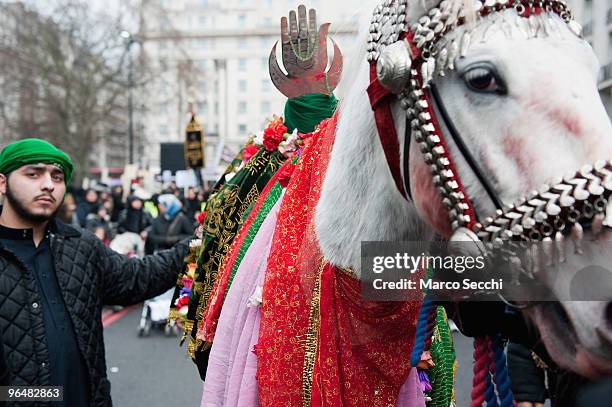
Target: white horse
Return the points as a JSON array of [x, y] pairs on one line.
[[524, 97], [521, 91]]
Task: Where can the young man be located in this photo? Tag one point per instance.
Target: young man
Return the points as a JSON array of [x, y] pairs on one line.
[[54, 280]]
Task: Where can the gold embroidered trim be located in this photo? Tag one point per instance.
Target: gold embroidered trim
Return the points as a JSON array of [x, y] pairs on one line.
[[538, 361], [312, 339]]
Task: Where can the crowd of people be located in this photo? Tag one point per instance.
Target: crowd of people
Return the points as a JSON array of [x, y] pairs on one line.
[[160, 219]]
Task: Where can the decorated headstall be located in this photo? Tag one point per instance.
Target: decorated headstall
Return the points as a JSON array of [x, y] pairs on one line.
[[404, 62]]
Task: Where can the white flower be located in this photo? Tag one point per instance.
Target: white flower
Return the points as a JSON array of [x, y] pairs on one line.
[[259, 138], [255, 300], [195, 243]]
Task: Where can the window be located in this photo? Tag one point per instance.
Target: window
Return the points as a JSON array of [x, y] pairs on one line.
[[163, 130], [242, 43], [264, 64], [242, 107], [242, 85], [202, 43], [202, 21], [241, 20], [265, 85], [202, 87], [202, 107], [163, 108], [267, 22], [265, 107], [266, 43], [216, 108], [242, 65], [163, 44], [242, 128]]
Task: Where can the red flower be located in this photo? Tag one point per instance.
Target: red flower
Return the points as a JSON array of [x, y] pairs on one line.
[[249, 151], [201, 217], [274, 134], [284, 176], [182, 301]]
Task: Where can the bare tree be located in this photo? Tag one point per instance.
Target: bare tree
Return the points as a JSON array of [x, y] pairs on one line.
[[62, 77]]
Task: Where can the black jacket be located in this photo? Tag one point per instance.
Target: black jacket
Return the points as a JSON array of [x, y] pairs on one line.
[[90, 275], [134, 221], [164, 233], [528, 380], [4, 373]]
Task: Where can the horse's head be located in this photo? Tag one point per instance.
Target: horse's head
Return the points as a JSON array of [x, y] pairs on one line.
[[500, 98], [515, 88]]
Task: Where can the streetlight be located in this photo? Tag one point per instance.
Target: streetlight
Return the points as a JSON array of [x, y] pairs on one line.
[[129, 41]]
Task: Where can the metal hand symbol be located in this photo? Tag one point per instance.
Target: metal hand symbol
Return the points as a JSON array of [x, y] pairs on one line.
[[304, 56]]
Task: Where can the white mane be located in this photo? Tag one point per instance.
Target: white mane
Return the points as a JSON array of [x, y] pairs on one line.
[[372, 207]]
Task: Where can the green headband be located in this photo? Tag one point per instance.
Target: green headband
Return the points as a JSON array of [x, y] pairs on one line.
[[34, 151]]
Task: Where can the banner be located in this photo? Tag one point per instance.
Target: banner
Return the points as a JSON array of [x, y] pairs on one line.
[[194, 144]]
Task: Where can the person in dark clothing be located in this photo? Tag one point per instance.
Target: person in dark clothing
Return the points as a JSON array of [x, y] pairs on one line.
[[528, 380], [89, 205], [118, 204], [98, 220], [54, 280], [4, 372], [133, 219], [191, 204], [170, 226], [599, 394]]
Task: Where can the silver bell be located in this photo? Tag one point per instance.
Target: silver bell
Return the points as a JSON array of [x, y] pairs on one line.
[[393, 67]]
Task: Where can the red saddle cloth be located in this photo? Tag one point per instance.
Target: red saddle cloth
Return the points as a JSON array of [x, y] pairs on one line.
[[320, 344]]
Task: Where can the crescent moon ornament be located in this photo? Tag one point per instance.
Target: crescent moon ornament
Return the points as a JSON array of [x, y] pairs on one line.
[[304, 56]]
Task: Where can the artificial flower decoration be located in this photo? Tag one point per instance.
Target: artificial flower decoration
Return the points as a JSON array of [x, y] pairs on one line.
[[249, 151], [284, 176], [274, 134], [201, 217], [291, 144]]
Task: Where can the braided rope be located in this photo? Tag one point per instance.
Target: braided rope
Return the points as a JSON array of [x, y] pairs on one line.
[[490, 394], [481, 371], [502, 380], [427, 309], [431, 324]]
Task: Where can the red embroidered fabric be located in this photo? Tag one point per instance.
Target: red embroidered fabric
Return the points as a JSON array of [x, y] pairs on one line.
[[293, 266], [208, 324], [364, 346]]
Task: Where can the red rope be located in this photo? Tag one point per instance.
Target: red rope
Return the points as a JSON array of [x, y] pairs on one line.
[[481, 370]]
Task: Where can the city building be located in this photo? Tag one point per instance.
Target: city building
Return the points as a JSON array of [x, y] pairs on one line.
[[211, 57]]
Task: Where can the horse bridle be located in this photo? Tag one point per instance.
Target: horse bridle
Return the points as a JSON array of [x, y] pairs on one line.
[[404, 62], [461, 145]]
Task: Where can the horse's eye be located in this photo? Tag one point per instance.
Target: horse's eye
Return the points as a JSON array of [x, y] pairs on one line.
[[484, 80]]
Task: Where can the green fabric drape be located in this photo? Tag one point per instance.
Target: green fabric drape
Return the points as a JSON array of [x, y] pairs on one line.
[[305, 112]]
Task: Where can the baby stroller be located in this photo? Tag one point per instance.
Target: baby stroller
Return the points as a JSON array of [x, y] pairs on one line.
[[155, 315], [154, 311]]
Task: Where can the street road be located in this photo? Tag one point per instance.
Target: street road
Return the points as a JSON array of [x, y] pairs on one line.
[[151, 371], [155, 372]]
